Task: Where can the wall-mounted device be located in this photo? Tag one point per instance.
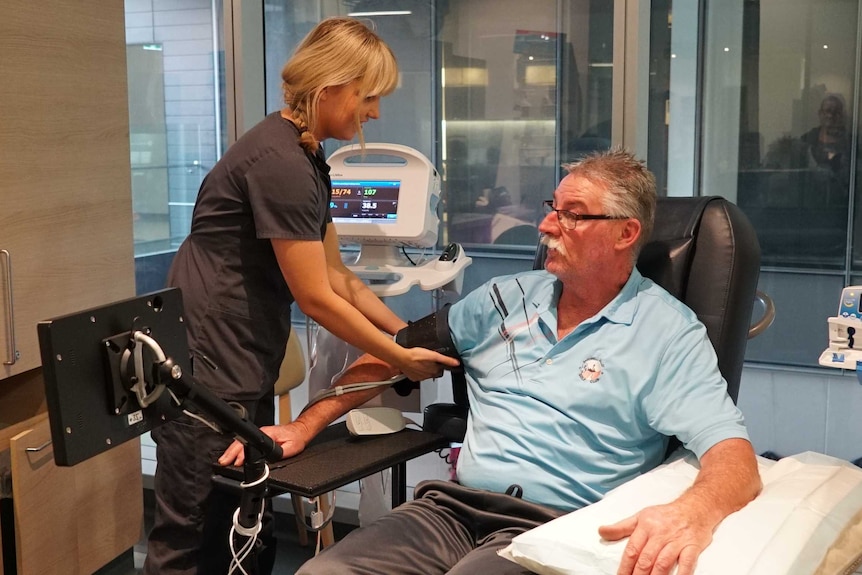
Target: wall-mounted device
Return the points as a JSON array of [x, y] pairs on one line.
[[105, 369], [116, 371], [845, 332]]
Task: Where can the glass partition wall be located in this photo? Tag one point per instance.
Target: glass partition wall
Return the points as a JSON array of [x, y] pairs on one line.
[[497, 93], [780, 124], [174, 55], [785, 73], [754, 100]]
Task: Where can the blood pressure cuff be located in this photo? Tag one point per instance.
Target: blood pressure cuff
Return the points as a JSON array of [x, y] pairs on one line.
[[430, 332]]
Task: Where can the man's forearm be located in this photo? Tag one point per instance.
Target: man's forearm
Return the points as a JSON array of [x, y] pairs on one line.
[[728, 480], [365, 369]]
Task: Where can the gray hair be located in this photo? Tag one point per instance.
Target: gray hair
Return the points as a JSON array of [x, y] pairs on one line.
[[630, 188]]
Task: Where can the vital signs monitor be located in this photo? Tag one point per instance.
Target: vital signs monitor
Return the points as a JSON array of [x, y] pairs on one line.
[[386, 195], [385, 199]]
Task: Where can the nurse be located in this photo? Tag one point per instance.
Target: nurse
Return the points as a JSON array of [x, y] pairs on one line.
[[261, 238]]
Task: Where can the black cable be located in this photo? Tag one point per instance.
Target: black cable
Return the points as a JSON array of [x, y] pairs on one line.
[[409, 259]]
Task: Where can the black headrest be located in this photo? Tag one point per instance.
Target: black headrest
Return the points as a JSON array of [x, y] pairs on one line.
[[705, 252], [666, 258]]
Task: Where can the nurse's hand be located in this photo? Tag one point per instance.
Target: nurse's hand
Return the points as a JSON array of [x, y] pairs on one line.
[[420, 364], [290, 437]]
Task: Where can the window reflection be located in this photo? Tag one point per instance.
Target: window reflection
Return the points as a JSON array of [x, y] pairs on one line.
[[798, 195], [496, 103], [519, 97], [797, 75], [780, 82], [176, 120]]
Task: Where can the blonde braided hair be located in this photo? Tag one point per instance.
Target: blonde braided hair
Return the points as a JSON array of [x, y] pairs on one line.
[[336, 52]]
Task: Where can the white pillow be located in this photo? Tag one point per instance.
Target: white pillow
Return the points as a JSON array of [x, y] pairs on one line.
[[811, 505]]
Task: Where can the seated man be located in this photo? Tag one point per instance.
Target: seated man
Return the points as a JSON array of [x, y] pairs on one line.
[[577, 375]]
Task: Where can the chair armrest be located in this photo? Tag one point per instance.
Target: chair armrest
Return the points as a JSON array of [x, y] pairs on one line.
[[766, 319]]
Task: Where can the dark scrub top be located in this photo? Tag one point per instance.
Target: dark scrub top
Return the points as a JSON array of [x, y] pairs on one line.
[[237, 304]]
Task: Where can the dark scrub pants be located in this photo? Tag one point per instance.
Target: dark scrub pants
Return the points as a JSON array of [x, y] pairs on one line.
[[190, 513]]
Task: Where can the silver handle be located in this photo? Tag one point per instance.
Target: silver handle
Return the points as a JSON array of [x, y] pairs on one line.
[[768, 314], [37, 449], [11, 351]]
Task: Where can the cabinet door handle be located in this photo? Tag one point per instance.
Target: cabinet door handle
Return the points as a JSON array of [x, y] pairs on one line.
[[38, 449], [11, 352]]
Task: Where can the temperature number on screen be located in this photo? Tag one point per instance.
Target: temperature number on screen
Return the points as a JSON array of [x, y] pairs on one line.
[[369, 205]]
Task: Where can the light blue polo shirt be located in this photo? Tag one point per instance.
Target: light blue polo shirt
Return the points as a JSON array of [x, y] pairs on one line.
[[570, 420]]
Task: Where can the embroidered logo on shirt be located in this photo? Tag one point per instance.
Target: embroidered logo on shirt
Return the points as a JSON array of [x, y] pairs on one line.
[[591, 369]]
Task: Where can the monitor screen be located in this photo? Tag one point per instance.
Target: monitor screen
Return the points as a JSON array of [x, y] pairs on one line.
[[90, 407], [384, 196], [372, 201]]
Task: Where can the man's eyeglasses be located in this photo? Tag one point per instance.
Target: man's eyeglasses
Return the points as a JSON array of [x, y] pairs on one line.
[[569, 220]]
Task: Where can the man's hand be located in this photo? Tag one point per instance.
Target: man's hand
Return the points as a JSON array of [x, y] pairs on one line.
[[664, 535], [659, 538], [291, 438]]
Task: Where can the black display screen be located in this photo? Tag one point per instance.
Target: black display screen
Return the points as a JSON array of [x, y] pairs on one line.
[[365, 201]]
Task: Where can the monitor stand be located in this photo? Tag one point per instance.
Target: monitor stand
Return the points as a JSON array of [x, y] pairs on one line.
[[389, 272], [387, 255], [258, 447]]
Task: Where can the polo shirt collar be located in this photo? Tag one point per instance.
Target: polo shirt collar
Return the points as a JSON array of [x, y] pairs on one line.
[[546, 299], [621, 309]]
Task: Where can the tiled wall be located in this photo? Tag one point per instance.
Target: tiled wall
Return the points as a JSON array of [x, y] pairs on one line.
[[789, 412]]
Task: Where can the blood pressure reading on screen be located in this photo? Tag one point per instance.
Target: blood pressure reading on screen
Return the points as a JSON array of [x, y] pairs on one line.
[[375, 200]]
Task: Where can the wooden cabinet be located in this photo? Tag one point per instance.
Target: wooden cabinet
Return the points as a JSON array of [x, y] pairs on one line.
[[65, 245], [65, 201], [71, 520]]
